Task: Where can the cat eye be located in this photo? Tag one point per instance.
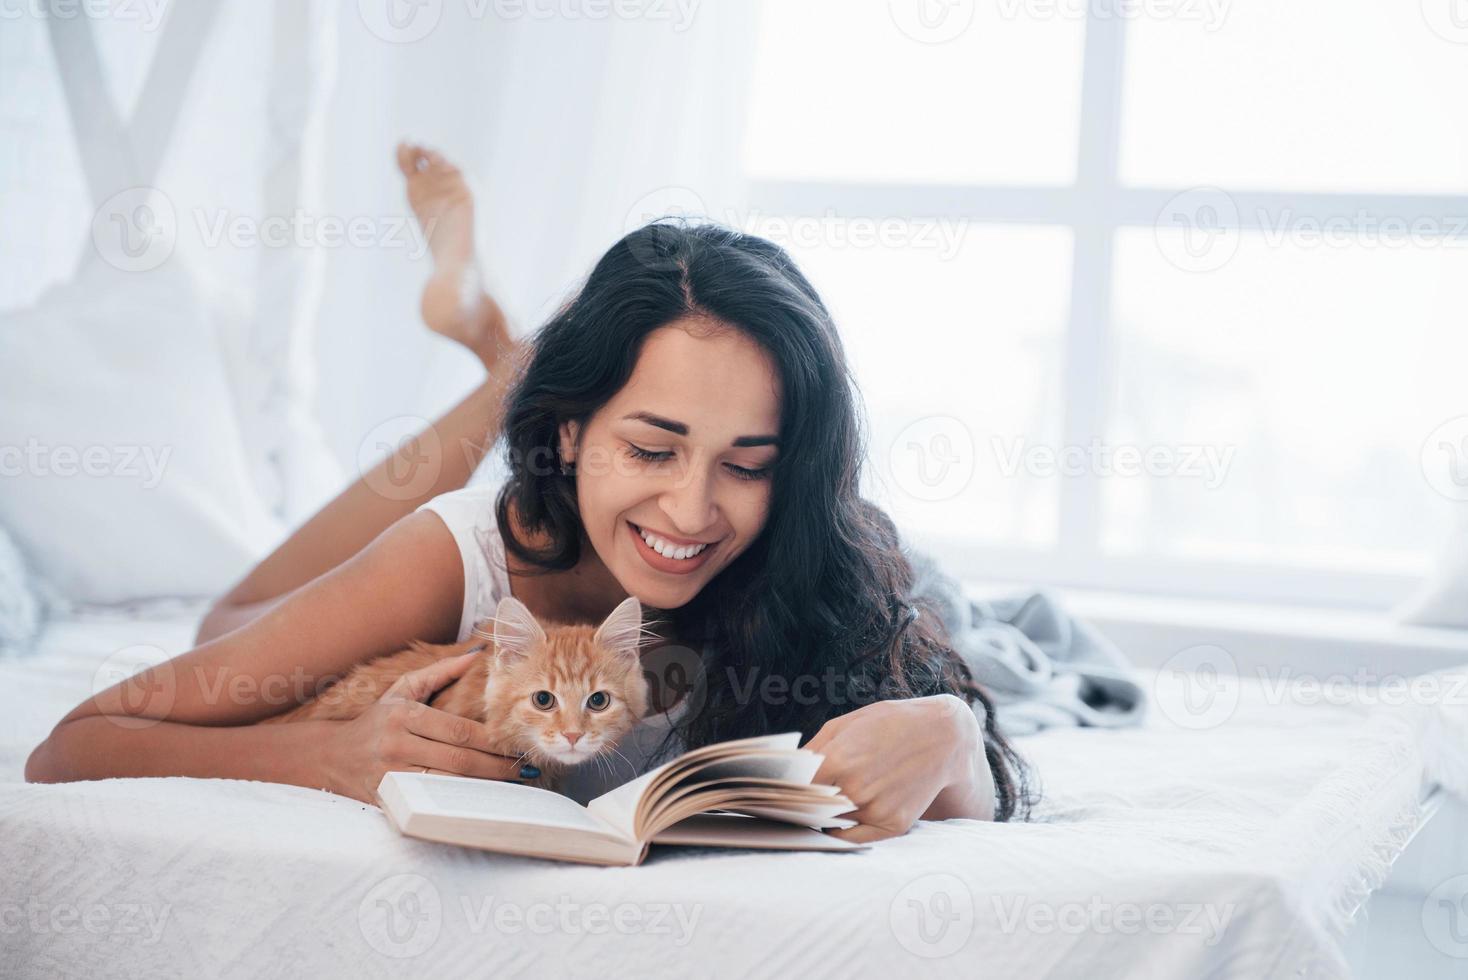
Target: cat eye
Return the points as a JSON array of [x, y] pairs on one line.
[[598, 701], [544, 700]]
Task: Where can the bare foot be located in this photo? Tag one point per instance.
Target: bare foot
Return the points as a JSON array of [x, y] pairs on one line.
[[454, 302]]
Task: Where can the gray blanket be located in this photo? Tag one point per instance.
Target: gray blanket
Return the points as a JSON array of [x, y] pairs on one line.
[[1042, 667]]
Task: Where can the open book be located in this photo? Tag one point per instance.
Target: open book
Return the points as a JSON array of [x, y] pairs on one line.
[[754, 792]]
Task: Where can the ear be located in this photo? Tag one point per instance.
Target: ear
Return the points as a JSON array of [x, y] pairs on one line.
[[570, 432], [622, 632], [516, 633]]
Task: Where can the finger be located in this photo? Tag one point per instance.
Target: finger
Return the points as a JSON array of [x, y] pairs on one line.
[[457, 760], [862, 834], [420, 684], [440, 726], [834, 771], [824, 736]]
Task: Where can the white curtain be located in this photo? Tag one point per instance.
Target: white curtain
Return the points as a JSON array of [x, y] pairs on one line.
[[267, 369], [570, 130]]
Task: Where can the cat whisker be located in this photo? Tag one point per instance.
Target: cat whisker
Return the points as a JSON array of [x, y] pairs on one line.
[[620, 756]]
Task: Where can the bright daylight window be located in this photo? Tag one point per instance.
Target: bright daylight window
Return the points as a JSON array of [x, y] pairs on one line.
[[1125, 316]]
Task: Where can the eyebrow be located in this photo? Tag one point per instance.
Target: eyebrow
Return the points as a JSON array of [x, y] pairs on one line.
[[681, 428]]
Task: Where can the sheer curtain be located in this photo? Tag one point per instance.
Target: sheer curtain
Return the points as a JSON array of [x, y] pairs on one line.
[[571, 131], [269, 331]]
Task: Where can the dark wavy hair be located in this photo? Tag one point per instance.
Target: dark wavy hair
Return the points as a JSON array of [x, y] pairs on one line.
[[823, 593]]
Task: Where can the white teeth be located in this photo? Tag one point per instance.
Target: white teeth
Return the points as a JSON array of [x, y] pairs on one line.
[[667, 549]]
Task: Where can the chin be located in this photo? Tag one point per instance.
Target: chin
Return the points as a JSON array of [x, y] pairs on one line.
[[661, 594]]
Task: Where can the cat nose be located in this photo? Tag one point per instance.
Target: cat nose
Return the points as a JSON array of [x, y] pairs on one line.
[[572, 736]]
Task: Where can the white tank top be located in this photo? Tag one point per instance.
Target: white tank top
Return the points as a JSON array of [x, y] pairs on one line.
[[469, 515]]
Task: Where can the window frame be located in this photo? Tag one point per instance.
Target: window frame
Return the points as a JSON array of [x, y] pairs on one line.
[[1095, 206]]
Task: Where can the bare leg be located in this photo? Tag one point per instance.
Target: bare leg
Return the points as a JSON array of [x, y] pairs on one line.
[[454, 306], [454, 301]]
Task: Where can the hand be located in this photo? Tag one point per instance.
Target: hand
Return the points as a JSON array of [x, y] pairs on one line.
[[899, 761], [401, 733]]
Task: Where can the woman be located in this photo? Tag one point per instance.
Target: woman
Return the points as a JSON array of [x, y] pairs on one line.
[[684, 430]]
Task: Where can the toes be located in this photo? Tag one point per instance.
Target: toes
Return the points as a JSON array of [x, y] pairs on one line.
[[407, 152], [416, 159], [437, 165]]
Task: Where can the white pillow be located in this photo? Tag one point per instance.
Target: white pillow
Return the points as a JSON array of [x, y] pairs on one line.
[[244, 145], [119, 452]]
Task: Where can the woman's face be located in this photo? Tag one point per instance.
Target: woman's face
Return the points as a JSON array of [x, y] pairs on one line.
[[673, 474]]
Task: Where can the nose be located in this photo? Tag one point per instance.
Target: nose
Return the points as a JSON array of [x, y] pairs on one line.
[[572, 737], [689, 503]]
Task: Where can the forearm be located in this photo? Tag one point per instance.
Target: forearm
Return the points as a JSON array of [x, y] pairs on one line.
[[101, 747], [458, 442]]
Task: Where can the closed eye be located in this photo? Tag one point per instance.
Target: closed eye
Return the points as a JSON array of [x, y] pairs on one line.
[[639, 453], [740, 472], [744, 473]]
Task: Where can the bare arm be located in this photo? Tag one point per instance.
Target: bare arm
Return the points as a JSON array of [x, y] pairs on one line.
[[193, 714], [455, 444]]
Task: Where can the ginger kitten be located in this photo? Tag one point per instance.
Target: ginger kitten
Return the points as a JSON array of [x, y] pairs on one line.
[[557, 697]]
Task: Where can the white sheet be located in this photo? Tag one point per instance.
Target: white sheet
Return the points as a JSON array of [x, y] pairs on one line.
[[1240, 851]]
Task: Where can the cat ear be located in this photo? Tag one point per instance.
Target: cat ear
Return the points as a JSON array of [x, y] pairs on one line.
[[516, 633], [622, 632]]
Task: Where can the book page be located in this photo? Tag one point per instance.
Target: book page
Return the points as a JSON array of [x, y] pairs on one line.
[[802, 817], [799, 766], [718, 830], [618, 808], [493, 800], [735, 800], [816, 796]]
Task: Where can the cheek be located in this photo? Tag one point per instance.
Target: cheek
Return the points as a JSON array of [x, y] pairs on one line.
[[750, 511], [605, 492]]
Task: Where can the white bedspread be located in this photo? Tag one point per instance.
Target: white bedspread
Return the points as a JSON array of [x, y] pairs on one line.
[[1240, 850]]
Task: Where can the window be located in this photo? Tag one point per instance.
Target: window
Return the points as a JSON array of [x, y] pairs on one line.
[[1161, 296]]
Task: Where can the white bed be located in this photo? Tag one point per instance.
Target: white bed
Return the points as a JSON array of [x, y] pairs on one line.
[[1241, 850]]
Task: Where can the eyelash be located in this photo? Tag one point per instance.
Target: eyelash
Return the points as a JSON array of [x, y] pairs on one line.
[[740, 472]]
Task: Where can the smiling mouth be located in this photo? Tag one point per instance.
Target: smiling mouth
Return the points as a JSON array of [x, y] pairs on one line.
[[667, 547], [663, 556]]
